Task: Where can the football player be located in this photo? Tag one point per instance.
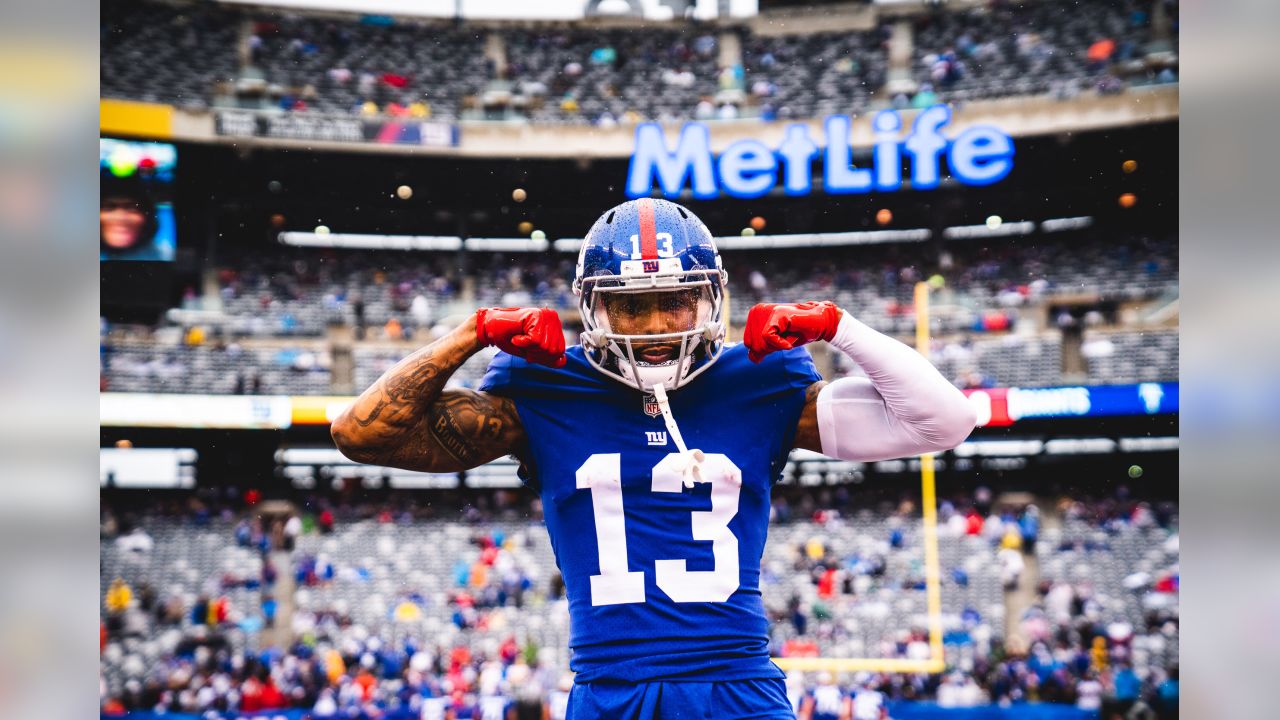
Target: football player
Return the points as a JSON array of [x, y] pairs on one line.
[[826, 701], [654, 445]]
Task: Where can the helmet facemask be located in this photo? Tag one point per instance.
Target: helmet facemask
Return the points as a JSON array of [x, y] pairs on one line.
[[651, 328]]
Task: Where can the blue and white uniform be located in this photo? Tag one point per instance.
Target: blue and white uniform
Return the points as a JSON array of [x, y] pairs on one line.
[[665, 604], [662, 579], [655, 473], [828, 702]]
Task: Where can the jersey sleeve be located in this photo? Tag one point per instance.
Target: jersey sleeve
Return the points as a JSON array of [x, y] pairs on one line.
[[795, 374], [799, 368], [500, 378]]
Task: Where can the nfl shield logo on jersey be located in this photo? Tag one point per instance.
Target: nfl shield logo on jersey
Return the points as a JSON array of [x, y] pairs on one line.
[[651, 406]]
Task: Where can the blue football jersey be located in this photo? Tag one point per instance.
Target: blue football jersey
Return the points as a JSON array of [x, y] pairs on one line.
[[662, 579]]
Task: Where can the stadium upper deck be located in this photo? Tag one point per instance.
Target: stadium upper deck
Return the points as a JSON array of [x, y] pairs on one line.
[[198, 56]]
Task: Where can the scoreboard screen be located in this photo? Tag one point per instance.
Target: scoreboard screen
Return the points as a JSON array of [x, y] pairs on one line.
[[136, 218]]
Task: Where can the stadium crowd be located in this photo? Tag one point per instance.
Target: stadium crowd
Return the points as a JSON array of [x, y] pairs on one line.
[[1061, 49], [379, 67], [990, 309], [202, 646]]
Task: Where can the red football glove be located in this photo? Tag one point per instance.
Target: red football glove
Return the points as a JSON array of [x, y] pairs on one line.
[[531, 333], [783, 326]]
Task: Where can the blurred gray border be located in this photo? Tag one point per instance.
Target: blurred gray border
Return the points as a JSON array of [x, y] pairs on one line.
[[48, 373], [1230, 244]]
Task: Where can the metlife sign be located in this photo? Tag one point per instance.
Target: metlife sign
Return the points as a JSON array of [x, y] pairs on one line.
[[980, 155]]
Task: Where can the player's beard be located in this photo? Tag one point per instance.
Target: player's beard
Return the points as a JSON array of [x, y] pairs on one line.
[[656, 353]]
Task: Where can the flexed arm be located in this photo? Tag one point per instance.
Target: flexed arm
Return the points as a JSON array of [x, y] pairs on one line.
[[408, 420], [903, 407]]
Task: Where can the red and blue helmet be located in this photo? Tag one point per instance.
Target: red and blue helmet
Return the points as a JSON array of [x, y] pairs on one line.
[[637, 252]]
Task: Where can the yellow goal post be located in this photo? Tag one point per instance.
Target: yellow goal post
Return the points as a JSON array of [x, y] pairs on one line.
[[932, 581]]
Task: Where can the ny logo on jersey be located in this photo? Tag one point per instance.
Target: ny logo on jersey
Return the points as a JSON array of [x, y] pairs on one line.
[[651, 407], [655, 437]]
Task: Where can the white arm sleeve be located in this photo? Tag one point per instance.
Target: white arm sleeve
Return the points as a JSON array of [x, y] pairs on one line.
[[903, 407]]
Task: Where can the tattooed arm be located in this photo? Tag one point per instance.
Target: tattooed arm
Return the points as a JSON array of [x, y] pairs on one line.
[[807, 436], [408, 420]]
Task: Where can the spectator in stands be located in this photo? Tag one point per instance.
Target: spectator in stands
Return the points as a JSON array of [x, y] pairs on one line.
[[1089, 693], [327, 707], [1011, 566], [200, 611], [1167, 693], [973, 522], [119, 598], [1099, 54], [1011, 539], [1029, 525], [169, 611], [357, 307], [220, 610], [924, 97], [269, 611], [993, 530], [1110, 84], [974, 379], [146, 598], [868, 702], [824, 702], [1056, 671], [269, 573], [759, 284], [324, 521], [292, 529], [1128, 688], [959, 690], [136, 542], [1098, 657], [393, 329]]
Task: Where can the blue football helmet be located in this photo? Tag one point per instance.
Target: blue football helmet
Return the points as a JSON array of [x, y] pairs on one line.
[[650, 287]]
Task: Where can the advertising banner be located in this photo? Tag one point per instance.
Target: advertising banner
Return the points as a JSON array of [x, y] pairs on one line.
[[335, 128]]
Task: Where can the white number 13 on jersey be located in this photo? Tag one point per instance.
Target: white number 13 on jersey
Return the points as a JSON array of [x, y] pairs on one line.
[[602, 475]]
